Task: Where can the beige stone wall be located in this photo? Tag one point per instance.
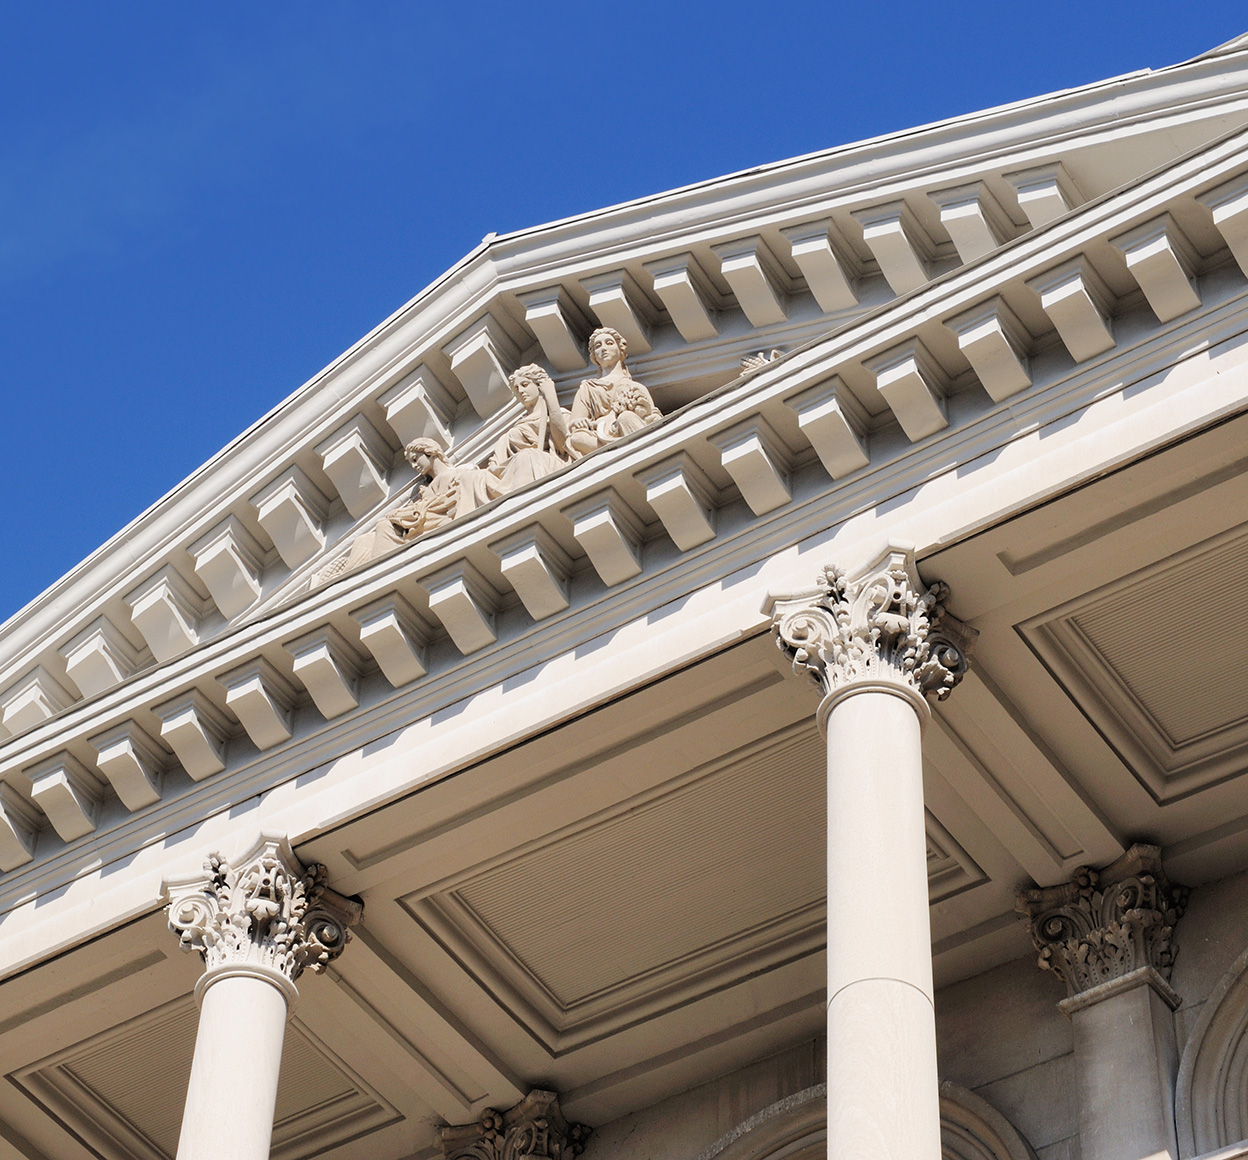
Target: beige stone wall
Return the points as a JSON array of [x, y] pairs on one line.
[[685, 1126]]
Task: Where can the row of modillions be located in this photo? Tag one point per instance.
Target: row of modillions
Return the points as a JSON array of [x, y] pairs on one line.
[[609, 531]]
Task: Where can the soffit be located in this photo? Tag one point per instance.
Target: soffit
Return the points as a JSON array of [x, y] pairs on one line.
[[1108, 624]]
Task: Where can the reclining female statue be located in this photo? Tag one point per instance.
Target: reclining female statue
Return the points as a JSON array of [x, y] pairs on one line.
[[450, 492], [612, 405]]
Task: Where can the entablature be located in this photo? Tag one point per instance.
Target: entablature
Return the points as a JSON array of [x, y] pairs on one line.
[[942, 375]]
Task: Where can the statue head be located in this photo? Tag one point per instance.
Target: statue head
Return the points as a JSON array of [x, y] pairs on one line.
[[426, 449], [601, 340], [525, 382]]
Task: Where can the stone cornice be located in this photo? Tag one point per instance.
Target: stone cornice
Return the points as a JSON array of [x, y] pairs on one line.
[[769, 396], [504, 266]]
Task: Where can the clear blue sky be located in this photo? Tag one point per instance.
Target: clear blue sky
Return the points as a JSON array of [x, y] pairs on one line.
[[202, 204]]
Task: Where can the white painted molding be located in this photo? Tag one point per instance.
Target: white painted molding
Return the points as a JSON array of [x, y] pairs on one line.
[[620, 303], [1045, 192], [229, 560], [611, 534], [836, 425], [481, 358], [1163, 261], [132, 762], [686, 291], [292, 510], [1228, 204], [757, 279], [466, 604], [262, 699], [397, 638], [536, 566], [99, 657], [903, 248], [166, 610], [196, 730], [419, 406], [683, 497], [973, 218], [35, 698], [19, 829], [560, 326], [1078, 303], [357, 460], [329, 667], [69, 795], [995, 343], [759, 463], [827, 263], [912, 385]]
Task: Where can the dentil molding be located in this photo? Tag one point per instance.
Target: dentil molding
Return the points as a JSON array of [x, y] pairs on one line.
[[882, 627], [265, 910]]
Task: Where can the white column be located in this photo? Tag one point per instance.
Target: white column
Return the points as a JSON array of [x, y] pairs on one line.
[[258, 922], [878, 643]]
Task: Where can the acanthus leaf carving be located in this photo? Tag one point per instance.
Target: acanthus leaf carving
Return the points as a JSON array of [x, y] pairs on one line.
[[535, 1127], [882, 626], [1102, 925], [265, 909]]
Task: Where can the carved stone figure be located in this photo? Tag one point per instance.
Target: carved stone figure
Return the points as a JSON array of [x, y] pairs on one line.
[[612, 405], [450, 492], [538, 443]]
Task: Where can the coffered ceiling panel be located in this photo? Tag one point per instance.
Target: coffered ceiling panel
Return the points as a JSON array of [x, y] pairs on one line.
[[1157, 662], [123, 1091]]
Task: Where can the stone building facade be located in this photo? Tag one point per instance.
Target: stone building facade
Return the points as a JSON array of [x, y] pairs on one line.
[[724, 677]]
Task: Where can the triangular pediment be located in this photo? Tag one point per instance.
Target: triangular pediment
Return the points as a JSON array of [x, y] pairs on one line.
[[931, 299]]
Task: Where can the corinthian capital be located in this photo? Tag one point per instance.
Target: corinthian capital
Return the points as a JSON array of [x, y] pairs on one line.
[[533, 1130], [883, 626], [1104, 925], [262, 910]]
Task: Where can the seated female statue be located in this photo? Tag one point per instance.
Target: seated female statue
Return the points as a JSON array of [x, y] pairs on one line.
[[538, 443], [612, 405]]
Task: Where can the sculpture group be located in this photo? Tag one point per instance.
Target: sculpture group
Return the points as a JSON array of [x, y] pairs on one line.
[[547, 438]]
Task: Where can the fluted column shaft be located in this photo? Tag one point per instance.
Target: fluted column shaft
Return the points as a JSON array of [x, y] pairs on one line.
[[878, 644], [258, 922]]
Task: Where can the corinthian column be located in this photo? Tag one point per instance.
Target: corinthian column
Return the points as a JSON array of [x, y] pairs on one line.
[[1110, 935], [879, 644], [258, 922]]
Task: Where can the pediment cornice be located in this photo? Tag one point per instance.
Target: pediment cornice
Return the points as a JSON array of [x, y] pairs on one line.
[[432, 617], [963, 363], [1209, 91]]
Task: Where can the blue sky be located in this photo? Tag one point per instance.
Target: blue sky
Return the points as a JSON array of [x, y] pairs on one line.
[[201, 205]]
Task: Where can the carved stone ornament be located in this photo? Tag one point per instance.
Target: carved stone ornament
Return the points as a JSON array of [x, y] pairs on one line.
[[263, 910], [884, 626], [1102, 925], [534, 1127]]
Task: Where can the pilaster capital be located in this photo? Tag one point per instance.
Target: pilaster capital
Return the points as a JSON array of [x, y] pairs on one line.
[[1103, 925], [535, 1127], [264, 910], [883, 627]]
